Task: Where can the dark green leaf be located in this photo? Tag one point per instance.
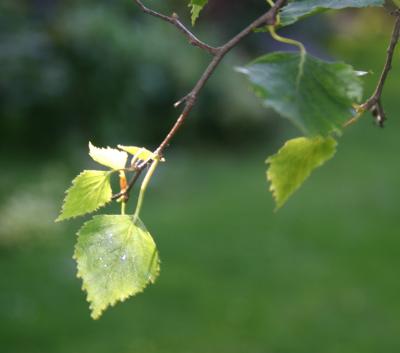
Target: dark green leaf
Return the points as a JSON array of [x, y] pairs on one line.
[[317, 97], [296, 10]]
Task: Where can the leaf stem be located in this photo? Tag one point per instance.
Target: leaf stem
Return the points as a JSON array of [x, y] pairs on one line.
[[143, 187], [278, 16], [294, 42], [359, 113]]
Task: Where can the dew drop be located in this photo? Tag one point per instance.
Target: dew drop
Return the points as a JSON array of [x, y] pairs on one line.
[[110, 237], [123, 257]]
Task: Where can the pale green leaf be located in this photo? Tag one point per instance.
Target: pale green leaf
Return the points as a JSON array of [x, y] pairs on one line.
[[317, 96], [90, 190], [109, 157], [294, 162], [196, 7], [116, 259], [138, 152], [298, 9]]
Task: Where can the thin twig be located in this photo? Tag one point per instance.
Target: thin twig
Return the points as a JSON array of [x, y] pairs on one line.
[[374, 103], [131, 183], [174, 20], [268, 18]]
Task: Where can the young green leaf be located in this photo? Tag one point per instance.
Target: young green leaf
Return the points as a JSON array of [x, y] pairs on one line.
[[116, 259], [299, 9], [109, 157], [294, 162], [139, 152], [90, 190], [318, 101], [196, 7]]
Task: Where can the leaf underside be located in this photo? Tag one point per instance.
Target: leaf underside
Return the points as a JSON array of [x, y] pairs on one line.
[[318, 101], [90, 190], [139, 152], [109, 157], [116, 258], [299, 9], [294, 162]]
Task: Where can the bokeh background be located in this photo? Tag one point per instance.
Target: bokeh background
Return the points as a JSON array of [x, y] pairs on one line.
[[321, 275]]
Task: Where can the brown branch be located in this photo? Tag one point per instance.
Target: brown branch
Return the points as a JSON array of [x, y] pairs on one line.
[[268, 18], [131, 183], [138, 169], [374, 103]]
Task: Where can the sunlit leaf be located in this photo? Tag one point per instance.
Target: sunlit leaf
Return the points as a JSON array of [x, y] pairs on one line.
[[196, 7], [298, 9], [90, 190], [109, 157], [318, 101], [116, 259], [294, 162], [139, 152]]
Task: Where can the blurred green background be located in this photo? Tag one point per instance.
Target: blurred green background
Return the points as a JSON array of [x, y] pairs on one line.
[[321, 275]]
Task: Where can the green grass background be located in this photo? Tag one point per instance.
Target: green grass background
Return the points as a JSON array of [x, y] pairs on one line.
[[321, 275]]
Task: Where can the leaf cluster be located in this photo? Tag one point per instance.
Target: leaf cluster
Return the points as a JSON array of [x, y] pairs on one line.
[[115, 254]]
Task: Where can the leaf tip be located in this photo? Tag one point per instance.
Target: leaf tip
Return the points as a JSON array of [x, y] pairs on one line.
[[59, 219]]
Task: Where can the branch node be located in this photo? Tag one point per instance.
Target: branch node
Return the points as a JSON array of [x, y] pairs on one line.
[[174, 20], [190, 99], [374, 104], [379, 114]]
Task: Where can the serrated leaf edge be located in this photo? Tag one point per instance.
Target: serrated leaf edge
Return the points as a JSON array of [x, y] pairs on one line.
[[89, 298], [195, 11], [272, 188], [60, 218]]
